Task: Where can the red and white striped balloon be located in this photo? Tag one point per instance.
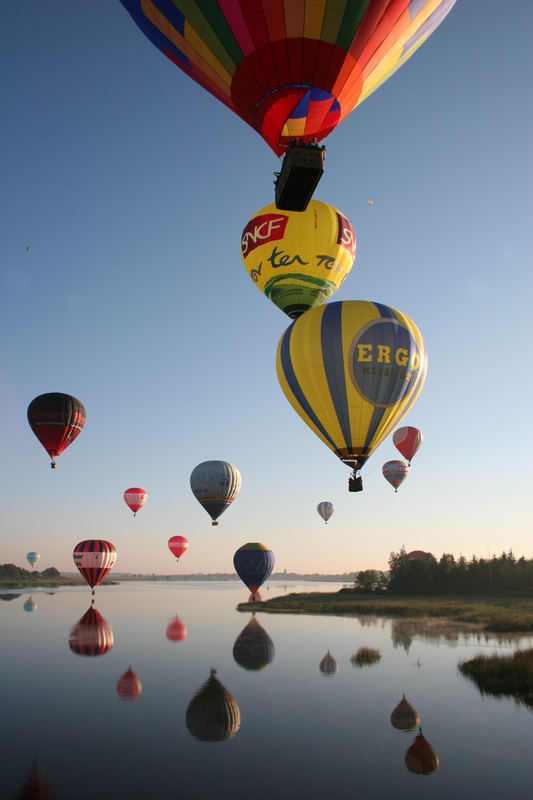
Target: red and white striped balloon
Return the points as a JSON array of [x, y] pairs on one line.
[[178, 545], [407, 440], [94, 558], [135, 498]]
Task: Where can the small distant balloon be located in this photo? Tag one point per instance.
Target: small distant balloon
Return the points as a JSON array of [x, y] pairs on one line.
[[325, 510], [328, 665], [32, 557], [215, 484], [27, 249], [253, 564], [370, 202], [407, 440], [395, 472], [176, 630], [30, 604], [178, 546], [135, 498], [129, 686]]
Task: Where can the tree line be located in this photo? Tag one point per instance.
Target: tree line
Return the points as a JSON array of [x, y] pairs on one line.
[[502, 576]]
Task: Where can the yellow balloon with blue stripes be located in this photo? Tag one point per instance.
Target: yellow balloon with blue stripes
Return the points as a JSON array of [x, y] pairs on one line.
[[352, 370], [298, 258]]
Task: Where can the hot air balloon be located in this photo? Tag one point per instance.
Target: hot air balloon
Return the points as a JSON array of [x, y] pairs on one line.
[[94, 558], [395, 472], [30, 604], [176, 630], [135, 498], [56, 419], [421, 757], [215, 484], [298, 259], [407, 440], [129, 686], [415, 555], [32, 557], [328, 665], [36, 787], [253, 564], [178, 546], [213, 715], [325, 510], [253, 649], [404, 717], [352, 370], [291, 70], [92, 635]]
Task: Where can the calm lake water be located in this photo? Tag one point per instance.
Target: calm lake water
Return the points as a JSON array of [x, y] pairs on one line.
[[286, 730]]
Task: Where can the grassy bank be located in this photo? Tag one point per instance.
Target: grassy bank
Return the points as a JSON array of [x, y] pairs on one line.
[[503, 676], [48, 583], [491, 614]]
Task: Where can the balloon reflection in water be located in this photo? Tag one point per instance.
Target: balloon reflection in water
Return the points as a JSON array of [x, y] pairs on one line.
[[30, 604], [253, 649], [35, 787], [213, 715], [92, 635], [421, 757], [328, 665], [176, 630], [129, 686], [404, 717]]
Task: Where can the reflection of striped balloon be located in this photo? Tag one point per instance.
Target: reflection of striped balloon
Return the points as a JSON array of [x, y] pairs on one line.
[[325, 510], [129, 686], [213, 715], [328, 665], [176, 630], [92, 635], [94, 558]]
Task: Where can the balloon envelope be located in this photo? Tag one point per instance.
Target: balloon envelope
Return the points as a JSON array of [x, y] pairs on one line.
[[352, 370], [253, 564], [32, 557], [215, 484], [404, 717], [30, 604], [291, 70], [129, 686], [178, 545], [395, 472], [176, 630], [56, 419], [92, 635], [325, 510], [328, 665], [94, 558], [407, 440], [213, 715], [135, 498], [298, 258], [421, 758]]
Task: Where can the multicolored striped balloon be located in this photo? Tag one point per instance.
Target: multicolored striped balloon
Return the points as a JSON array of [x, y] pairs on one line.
[[292, 69], [94, 558]]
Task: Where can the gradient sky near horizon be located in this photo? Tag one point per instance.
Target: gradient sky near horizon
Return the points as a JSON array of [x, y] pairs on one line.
[[131, 186]]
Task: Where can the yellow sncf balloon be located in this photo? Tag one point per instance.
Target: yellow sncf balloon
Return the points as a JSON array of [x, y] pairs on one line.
[[352, 370], [298, 258]]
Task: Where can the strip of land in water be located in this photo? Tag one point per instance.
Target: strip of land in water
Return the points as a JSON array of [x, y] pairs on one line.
[[497, 615]]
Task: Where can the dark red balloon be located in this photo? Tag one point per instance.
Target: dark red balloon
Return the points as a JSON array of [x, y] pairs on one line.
[[56, 419], [176, 630]]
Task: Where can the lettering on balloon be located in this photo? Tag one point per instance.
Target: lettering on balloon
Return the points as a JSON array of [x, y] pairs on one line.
[[255, 569], [346, 235], [262, 229], [278, 259], [383, 360]]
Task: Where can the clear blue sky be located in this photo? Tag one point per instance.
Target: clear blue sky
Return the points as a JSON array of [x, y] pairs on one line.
[[131, 185]]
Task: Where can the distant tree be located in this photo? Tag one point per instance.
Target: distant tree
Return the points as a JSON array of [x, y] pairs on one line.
[[367, 580]]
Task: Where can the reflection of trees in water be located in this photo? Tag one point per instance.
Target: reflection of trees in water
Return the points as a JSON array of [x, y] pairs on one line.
[[435, 629]]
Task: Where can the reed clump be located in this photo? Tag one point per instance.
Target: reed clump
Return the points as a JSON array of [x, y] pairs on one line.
[[503, 675], [365, 656]]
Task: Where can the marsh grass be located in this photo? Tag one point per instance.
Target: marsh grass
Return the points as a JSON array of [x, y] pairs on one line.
[[503, 675], [365, 656], [488, 614]]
